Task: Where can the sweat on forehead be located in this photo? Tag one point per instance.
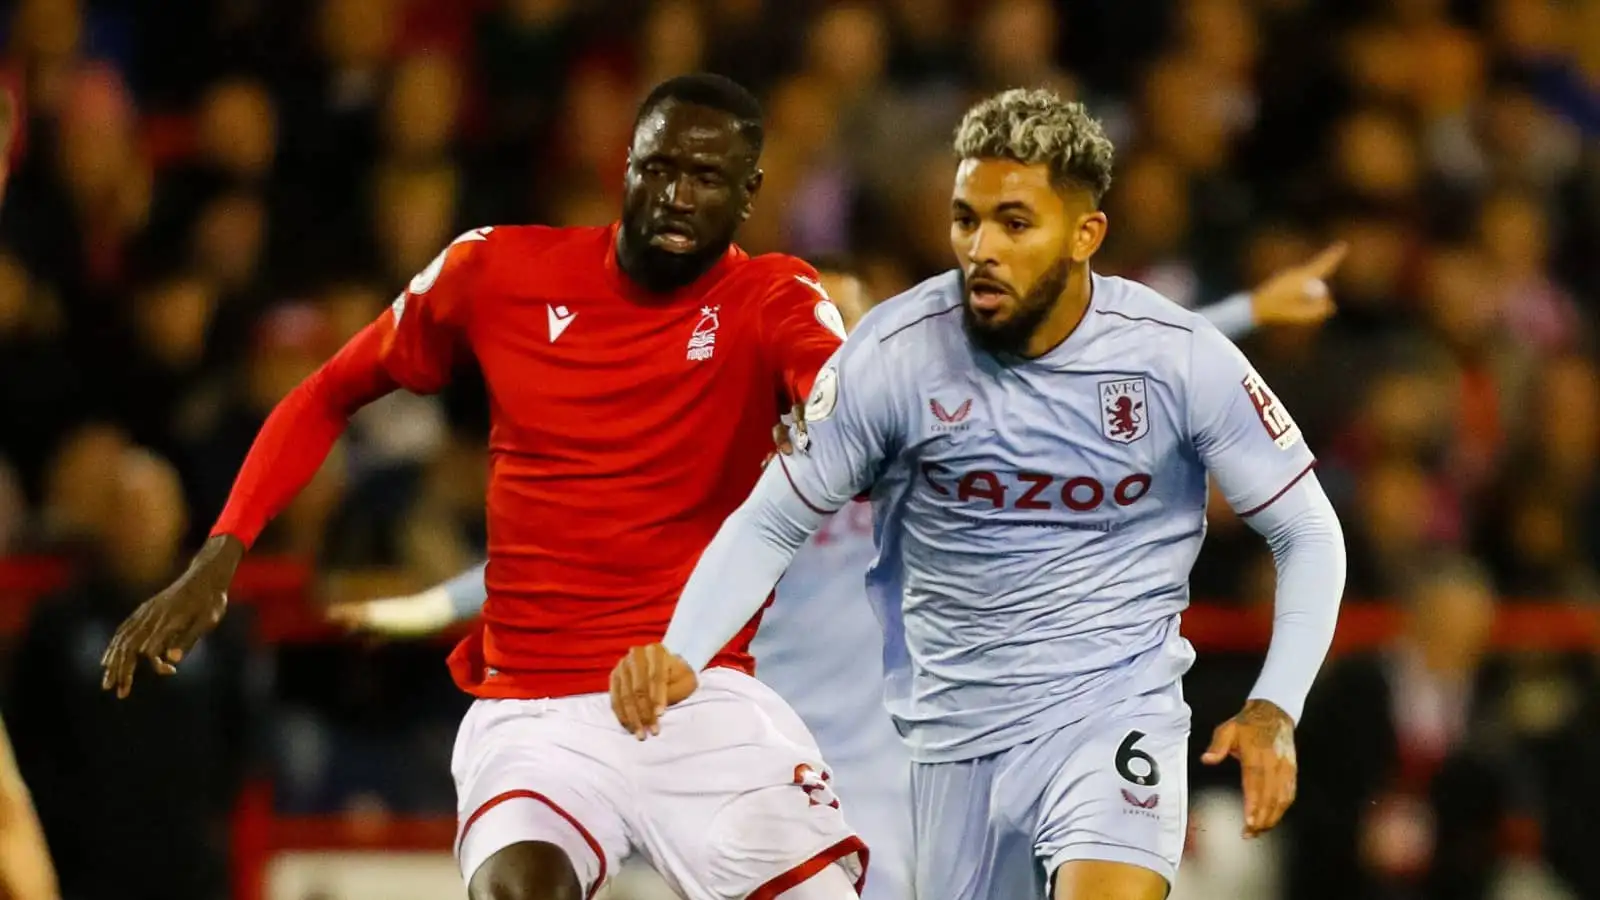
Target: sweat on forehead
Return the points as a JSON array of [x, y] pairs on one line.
[[680, 126]]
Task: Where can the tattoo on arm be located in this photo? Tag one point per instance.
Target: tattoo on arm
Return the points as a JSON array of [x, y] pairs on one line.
[[1267, 727]]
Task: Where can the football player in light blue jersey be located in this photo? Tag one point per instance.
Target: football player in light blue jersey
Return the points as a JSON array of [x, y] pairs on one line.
[[1037, 440], [820, 642]]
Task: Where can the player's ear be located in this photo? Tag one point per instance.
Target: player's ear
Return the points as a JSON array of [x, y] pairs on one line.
[[752, 187], [1089, 235]]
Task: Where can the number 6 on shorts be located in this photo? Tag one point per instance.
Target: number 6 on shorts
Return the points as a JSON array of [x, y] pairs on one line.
[[1128, 752]]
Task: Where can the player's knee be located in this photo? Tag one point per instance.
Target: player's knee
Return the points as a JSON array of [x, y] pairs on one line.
[[530, 870], [1088, 879]]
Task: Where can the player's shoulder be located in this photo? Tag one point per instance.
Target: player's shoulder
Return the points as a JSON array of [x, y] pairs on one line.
[[1125, 304], [778, 275], [776, 267], [931, 305], [498, 258], [531, 245], [1138, 322]]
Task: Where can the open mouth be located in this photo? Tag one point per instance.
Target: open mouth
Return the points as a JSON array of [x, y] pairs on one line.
[[674, 237], [985, 295]]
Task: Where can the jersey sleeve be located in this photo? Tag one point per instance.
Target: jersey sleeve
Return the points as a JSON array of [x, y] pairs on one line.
[[425, 330], [1241, 430], [852, 428], [300, 432], [800, 329], [1234, 315]]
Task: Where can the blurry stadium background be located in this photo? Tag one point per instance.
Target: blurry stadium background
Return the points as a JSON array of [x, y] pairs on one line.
[[207, 196]]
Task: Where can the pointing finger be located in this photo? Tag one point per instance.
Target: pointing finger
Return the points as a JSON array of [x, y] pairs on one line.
[[1327, 261]]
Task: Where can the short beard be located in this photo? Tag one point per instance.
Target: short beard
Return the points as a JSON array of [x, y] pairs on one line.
[[1012, 336], [661, 272]]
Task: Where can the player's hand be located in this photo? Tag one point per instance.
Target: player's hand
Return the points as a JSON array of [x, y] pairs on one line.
[[781, 436], [1299, 295], [165, 628], [1261, 738], [647, 681], [417, 615]]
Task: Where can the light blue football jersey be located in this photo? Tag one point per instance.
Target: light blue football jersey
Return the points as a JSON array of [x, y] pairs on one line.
[[1036, 520]]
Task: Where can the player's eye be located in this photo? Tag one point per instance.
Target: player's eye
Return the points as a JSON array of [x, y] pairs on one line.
[[965, 221], [1017, 226], [711, 179], [655, 169]]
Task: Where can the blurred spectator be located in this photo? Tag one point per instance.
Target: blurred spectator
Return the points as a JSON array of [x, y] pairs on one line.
[[173, 320], [1513, 231], [133, 795], [1402, 794], [81, 487], [1150, 242], [290, 343], [1017, 44], [30, 354], [421, 114], [1540, 531], [673, 41]]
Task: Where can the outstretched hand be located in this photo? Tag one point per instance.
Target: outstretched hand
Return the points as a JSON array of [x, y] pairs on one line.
[[1261, 738], [166, 627], [647, 681]]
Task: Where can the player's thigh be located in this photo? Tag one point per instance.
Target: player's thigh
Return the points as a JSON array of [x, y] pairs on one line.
[[738, 801], [542, 774], [1093, 879], [969, 841], [1117, 792]]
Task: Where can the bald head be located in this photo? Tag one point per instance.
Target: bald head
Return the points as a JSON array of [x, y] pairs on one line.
[[149, 518]]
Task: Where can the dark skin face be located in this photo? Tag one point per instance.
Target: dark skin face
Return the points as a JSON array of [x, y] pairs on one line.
[[691, 180], [1023, 244]]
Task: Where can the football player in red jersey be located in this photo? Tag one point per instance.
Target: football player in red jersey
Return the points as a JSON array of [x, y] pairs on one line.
[[634, 373]]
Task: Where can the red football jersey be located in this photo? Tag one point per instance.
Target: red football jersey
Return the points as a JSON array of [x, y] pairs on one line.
[[625, 427]]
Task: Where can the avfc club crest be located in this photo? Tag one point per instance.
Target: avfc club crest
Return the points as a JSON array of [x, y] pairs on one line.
[[1124, 412]]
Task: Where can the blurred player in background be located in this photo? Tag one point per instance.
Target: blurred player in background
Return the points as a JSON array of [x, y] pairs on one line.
[[634, 374], [1037, 440], [819, 641]]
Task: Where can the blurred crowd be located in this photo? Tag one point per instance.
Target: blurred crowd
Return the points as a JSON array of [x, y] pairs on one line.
[[207, 196]]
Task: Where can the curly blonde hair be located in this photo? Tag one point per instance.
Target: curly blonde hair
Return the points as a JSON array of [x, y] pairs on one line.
[[1035, 126]]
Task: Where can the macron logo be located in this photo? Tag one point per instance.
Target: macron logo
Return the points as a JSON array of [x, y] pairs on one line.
[[560, 318]]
